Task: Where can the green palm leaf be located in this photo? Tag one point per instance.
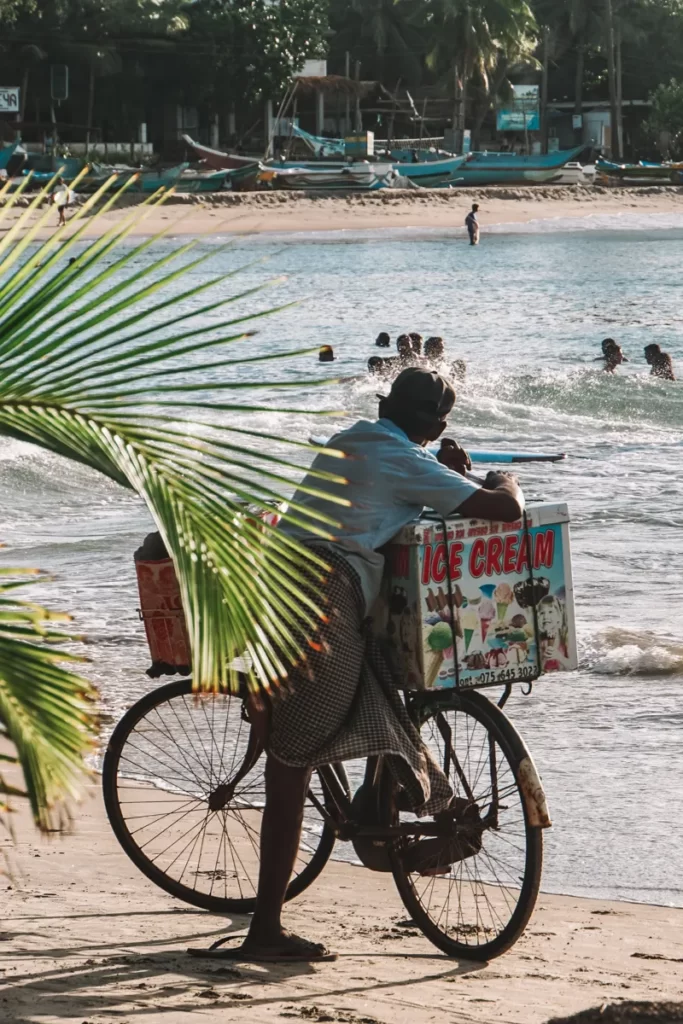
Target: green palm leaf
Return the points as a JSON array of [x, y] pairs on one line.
[[47, 711], [104, 361]]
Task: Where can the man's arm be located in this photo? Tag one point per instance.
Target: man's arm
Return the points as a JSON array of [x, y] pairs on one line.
[[446, 489], [500, 499]]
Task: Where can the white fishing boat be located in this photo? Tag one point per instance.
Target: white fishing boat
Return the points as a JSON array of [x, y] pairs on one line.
[[573, 173], [355, 177]]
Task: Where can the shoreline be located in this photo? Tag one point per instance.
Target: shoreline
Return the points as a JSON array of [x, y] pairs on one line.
[[87, 937], [443, 209]]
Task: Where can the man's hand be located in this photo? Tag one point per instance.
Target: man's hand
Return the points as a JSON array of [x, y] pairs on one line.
[[496, 478], [451, 454], [500, 499]]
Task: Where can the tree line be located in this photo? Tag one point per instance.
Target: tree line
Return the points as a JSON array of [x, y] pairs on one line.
[[128, 60]]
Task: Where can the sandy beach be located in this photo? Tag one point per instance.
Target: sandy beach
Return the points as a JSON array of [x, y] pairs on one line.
[[443, 209], [86, 938]]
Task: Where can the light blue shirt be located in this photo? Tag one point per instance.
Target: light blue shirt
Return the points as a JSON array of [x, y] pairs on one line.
[[390, 482]]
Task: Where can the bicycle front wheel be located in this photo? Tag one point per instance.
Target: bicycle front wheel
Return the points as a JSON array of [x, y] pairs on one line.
[[184, 788], [477, 906]]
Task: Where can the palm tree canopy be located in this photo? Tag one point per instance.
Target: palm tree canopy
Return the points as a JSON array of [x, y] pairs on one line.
[[472, 34], [105, 360]]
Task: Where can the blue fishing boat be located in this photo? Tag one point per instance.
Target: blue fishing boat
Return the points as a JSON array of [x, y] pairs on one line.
[[432, 173], [6, 154], [643, 173], [438, 170], [510, 169]]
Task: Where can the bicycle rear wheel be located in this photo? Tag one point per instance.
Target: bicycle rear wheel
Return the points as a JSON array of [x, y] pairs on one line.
[[184, 788], [479, 906]]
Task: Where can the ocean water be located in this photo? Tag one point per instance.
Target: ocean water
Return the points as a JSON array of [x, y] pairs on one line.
[[527, 311]]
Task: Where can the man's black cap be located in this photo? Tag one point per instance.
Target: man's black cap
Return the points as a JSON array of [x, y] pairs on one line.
[[422, 392]]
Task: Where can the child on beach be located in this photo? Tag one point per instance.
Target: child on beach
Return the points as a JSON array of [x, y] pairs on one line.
[[472, 224], [62, 197]]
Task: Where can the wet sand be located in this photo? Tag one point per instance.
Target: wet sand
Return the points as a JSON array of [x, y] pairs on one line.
[[415, 209], [86, 938]]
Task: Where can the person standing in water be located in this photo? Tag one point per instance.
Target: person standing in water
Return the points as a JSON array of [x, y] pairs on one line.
[[472, 224], [612, 356], [660, 362]]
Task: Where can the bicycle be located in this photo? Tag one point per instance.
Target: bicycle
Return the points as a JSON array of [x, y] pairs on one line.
[[184, 790]]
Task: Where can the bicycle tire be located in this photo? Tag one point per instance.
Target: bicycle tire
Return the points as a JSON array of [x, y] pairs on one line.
[[453, 940], [121, 824]]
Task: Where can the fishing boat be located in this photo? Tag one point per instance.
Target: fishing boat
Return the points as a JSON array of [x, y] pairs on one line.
[[482, 169], [356, 177], [6, 154], [432, 173], [144, 179], [573, 174], [642, 173], [217, 160], [201, 181], [436, 170]]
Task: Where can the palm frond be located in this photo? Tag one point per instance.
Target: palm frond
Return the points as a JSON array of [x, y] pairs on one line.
[[111, 364], [47, 711]]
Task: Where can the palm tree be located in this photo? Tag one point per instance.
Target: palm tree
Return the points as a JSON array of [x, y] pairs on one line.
[[105, 362], [586, 29], [468, 38], [382, 35]]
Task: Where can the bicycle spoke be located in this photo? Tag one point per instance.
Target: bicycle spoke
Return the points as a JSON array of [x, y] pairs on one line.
[[474, 900], [193, 746]]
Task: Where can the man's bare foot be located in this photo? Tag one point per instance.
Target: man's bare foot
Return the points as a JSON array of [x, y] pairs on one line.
[[285, 944], [278, 948]]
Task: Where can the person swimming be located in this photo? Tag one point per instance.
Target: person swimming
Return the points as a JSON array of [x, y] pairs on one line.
[[404, 346], [612, 356], [326, 354], [660, 362], [416, 342], [388, 364], [383, 340], [435, 352]]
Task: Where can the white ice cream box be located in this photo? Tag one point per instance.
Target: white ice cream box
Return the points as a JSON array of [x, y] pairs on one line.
[[472, 603]]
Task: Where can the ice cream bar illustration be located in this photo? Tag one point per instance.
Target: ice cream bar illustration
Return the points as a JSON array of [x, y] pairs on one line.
[[439, 640], [487, 613], [503, 597], [496, 659], [469, 621]]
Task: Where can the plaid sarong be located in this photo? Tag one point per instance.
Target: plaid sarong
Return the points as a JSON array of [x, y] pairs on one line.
[[343, 702]]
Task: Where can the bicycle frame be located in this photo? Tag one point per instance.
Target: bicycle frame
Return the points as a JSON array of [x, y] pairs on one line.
[[337, 811]]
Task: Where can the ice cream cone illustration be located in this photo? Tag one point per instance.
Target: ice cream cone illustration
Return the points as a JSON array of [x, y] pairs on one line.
[[470, 621], [439, 640], [487, 614], [503, 596]]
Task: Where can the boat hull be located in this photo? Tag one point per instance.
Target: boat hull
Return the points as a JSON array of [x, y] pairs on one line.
[[6, 154], [639, 174], [432, 173], [218, 160], [340, 178], [194, 183], [482, 169]]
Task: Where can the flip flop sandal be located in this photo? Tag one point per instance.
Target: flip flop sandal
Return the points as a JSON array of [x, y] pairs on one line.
[[315, 954]]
